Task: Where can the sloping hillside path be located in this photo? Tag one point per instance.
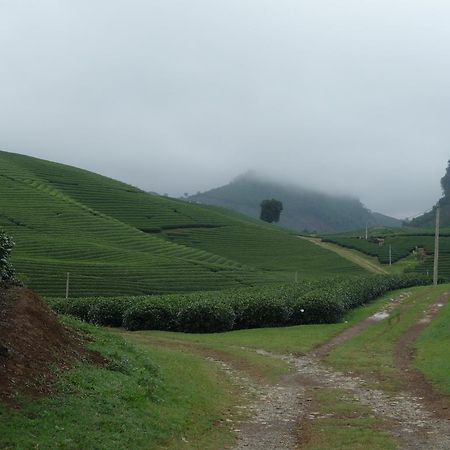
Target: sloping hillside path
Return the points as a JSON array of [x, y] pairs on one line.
[[354, 257], [280, 412]]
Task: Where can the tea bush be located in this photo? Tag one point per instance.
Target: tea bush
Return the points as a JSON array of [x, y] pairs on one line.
[[324, 301], [152, 313], [206, 317], [108, 311]]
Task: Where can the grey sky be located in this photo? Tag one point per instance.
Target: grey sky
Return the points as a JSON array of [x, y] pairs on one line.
[[351, 96]]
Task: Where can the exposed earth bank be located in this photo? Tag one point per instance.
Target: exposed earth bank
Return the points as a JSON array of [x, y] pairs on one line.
[[33, 343]]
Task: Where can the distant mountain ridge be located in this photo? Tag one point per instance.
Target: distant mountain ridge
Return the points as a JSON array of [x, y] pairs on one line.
[[304, 209]]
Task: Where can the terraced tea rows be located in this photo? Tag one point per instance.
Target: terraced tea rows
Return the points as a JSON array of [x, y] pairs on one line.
[[287, 252], [115, 239], [402, 245]]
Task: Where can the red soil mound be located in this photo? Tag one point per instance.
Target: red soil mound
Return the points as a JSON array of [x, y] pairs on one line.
[[32, 343]]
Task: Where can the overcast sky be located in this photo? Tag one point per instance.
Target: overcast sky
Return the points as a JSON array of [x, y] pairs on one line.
[[350, 96]]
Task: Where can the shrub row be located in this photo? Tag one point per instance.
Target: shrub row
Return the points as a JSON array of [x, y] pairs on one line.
[[324, 301]]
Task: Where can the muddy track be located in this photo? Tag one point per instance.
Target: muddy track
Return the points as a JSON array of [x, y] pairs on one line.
[[274, 425], [353, 331], [404, 357]]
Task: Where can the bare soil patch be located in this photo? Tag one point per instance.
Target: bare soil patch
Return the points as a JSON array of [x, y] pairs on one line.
[[32, 344]]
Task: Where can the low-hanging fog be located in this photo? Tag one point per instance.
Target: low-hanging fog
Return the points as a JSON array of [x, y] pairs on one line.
[[348, 96]]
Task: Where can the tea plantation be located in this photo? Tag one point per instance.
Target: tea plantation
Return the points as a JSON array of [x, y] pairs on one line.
[[115, 239], [420, 243], [310, 302]]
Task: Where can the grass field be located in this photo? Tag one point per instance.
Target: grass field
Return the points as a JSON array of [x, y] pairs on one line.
[[116, 239], [148, 397]]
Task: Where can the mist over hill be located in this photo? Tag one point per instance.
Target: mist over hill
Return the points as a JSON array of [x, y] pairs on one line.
[[428, 219], [304, 209]]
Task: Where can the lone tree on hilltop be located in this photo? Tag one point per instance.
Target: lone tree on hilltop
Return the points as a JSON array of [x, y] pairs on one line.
[[6, 269], [445, 182], [271, 210]]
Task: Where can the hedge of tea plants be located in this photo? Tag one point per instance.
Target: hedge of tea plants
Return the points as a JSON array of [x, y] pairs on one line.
[[311, 302]]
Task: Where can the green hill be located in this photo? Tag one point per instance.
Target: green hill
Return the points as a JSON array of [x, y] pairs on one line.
[[304, 209], [116, 239]]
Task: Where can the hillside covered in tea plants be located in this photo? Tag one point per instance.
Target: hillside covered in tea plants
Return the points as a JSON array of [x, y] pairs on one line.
[[412, 247], [115, 239]]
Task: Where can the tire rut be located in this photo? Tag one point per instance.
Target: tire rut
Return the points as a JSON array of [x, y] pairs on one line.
[[279, 411], [404, 356]]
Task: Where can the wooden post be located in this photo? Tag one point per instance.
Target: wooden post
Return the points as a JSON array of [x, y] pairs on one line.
[[436, 247], [67, 285]]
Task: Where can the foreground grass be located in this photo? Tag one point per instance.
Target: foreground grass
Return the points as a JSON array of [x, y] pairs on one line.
[[341, 423], [371, 353], [146, 397], [158, 391], [261, 368], [433, 350]]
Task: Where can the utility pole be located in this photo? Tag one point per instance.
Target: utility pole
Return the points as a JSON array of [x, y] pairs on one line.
[[390, 254], [436, 247], [367, 231], [67, 285]]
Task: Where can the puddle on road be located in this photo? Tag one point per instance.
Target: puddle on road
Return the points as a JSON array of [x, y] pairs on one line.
[[380, 316]]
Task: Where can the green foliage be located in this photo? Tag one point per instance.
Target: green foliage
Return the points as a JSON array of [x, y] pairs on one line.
[[115, 239], [324, 301], [277, 253], [146, 397], [427, 220], [445, 182], [271, 210], [421, 243], [319, 306], [151, 314], [432, 350], [264, 310], [206, 317], [6, 268], [107, 311]]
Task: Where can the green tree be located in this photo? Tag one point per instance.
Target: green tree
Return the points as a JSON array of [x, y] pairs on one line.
[[271, 210], [6, 268], [445, 182]]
